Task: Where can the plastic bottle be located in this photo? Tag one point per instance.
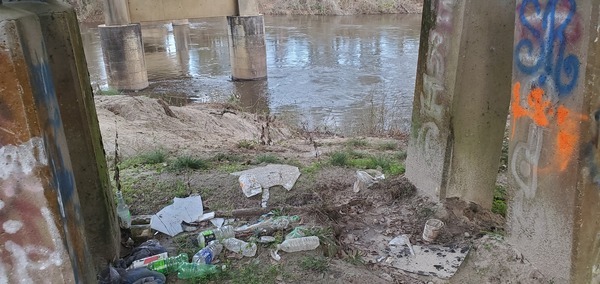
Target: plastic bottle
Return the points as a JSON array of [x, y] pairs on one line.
[[123, 212], [168, 265], [196, 270], [239, 246], [208, 254], [205, 237], [272, 224], [299, 244]]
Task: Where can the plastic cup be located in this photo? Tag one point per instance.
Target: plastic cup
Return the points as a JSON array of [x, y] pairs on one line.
[[432, 229]]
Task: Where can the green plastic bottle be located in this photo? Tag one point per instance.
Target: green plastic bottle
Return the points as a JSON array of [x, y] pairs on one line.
[[169, 265], [196, 270]]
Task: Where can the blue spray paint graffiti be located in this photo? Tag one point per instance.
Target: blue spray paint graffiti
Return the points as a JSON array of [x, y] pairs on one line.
[[550, 37]]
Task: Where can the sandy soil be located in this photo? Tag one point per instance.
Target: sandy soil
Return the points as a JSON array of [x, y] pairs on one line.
[[360, 224]]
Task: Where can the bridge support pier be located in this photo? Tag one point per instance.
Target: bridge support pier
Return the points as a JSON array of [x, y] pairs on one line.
[[460, 105], [123, 53], [554, 157], [247, 50]]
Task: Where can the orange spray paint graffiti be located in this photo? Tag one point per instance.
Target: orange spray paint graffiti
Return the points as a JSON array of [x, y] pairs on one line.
[[542, 112]]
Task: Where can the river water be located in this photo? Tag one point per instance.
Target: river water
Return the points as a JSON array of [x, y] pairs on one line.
[[344, 74]]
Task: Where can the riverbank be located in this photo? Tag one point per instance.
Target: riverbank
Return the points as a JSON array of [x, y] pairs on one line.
[[91, 11]]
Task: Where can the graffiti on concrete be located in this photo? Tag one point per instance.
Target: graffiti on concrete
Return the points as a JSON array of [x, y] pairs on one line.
[[432, 96], [30, 237], [546, 32], [525, 159], [591, 150], [544, 113]]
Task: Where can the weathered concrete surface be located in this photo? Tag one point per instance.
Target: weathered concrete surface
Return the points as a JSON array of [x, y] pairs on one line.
[[75, 98], [247, 50], [42, 235], [247, 8], [123, 53], [554, 139], [166, 10], [460, 105], [116, 12]]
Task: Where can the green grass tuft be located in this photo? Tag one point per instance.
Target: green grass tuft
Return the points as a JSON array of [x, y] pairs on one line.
[[148, 158], [268, 159], [339, 159], [314, 263], [388, 146], [246, 144], [499, 206], [189, 162], [358, 143]]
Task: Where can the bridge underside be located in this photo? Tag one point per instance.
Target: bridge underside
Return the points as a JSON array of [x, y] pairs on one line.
[[166, 10]]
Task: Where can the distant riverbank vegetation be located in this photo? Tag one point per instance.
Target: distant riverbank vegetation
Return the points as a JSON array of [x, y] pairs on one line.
[[339, 7]]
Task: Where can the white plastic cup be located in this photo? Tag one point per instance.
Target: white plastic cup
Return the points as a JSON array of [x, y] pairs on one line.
[[432, 229]]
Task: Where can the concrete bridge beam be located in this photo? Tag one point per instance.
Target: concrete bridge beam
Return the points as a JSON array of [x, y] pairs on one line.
[[247, 50], [42, 237], [460, 105], [66, 59], [554, 133]]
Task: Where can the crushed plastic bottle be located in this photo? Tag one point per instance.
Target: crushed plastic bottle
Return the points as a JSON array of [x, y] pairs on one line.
[[239, 246], [297, 232], [169, 265], [299, 244], [270, 225], [208, 254], [205, 237], [123, 212], [196, 270]]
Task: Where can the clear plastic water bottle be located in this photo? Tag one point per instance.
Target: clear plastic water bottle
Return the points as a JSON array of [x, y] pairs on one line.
[[239, 246], [169, 265], [123, 212], [205, 237], [299, 244], [208, 254], [196, 270]]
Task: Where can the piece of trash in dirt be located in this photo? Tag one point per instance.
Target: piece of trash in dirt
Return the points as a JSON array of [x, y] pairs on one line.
[[267, 239], [398, 243], [265, 198], [219, 234], [432, 229], [296, 245], [208, 254], [170, 264], [431, 260], [147, 249], [239, 246], [366, 178], [123, 212], [147, 260], [270, 225], [255, 181], [168, 220], [218, 222], [297, 232], [196, 271]]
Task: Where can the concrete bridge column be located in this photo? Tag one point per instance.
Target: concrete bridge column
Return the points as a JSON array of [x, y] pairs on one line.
[[247, 50], [42, 236], [122, 48], [62, 39], [554, 158], [460, 105]]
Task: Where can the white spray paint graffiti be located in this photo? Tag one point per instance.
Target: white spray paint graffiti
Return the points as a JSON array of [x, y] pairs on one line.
[[22, 159], [25, 259], [525, 159]]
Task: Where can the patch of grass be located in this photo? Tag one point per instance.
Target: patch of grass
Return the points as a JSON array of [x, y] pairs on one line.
[[227, 157], [388, 146], [314, 263], [185, 244], [180, 189], [189, 162], [357, 143], [312, 168], [255, 273], [231, 168], [339, 159], [499, 206], [109, 92], [355, 258], [268, 159], [400, 155], [246, 144], [148, 158], [359, 160]]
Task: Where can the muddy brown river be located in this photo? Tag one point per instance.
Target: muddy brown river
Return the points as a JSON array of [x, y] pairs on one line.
[[345, 74]]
